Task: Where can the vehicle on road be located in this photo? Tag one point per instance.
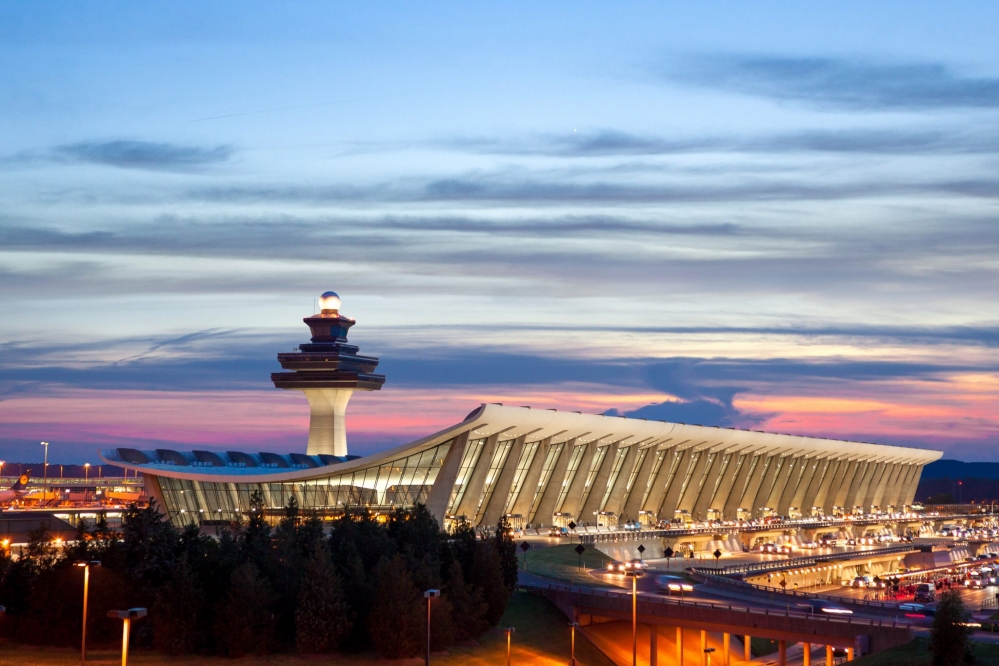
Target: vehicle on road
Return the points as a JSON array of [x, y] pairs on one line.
[[816, 606], [861, 581], [924, 592], [670, 584], [558, 532]]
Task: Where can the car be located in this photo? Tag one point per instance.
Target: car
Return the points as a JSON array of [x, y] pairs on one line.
[[822, 606], [616, 567], [924, 592], [809, 544], [786, 550], [851, 542], [861, 581], [558, 532], [636, 565], [770, 548], [671, 584]]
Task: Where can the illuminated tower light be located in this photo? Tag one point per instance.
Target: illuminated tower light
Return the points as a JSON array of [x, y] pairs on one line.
[[328, 371]]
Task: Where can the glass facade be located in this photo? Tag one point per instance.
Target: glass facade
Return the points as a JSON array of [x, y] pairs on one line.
[[397, 483], [551, 459], [523, 466], [496, 465]]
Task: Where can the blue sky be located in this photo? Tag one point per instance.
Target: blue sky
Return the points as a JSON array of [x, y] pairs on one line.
[[778, 216]]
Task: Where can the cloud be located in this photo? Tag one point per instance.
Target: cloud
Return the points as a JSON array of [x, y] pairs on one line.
[[699, 412], [614, 143], [128, 154], [840, 83]]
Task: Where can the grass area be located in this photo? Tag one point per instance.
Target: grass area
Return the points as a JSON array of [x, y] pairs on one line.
[[541, 639], [562, 563], [916, 653]]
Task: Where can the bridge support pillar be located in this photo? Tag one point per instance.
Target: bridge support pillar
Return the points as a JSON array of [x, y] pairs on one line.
[[653, 645], [704, 646], [727, 651], [679, 646], [849, 654], [829, 655], [806, 654], [747, 647], [781, 653]]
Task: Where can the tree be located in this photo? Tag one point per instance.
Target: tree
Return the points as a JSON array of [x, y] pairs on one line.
[[244, 623], [178, 613], [949, 645], [487, 575], [469, 608], [507, 550], [940, 498], [396, 622], [322, 616]]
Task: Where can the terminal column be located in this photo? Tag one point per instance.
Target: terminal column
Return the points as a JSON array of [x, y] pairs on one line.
[[726, 649], [679, 646], [829, 655], [806, 654], [849, 654], [747, 647], [781, 653]]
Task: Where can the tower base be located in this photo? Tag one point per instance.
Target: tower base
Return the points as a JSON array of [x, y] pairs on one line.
[[328, 424]]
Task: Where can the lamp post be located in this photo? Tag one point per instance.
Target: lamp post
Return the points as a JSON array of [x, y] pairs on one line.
[[45, 472], [707, 652], [509, 633], [2, 463], [428, 595], [126, 616], [86, 593], [572, 643], [635, 575]]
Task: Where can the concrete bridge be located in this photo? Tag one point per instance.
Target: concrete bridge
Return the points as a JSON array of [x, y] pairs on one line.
[[673, 621]]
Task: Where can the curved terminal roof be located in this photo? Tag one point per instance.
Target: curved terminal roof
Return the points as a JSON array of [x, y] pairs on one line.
[[509, 423]]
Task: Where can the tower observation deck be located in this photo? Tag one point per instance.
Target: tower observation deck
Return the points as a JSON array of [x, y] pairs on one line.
[[328, 371]]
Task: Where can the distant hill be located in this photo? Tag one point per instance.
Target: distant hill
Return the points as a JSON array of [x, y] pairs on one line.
[[955, 469]]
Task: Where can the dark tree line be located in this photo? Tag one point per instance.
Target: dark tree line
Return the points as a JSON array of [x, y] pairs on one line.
[[253, 589]]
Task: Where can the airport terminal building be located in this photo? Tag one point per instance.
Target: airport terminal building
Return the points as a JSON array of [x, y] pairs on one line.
[[538, 467]]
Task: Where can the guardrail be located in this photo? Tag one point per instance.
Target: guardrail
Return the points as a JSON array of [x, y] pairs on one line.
[[777, 565], [711, 577], [647, 598], [638, 535]]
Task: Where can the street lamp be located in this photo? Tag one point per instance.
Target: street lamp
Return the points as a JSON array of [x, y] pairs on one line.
[[86, 593], [707, 652], [45, 472], [2, 463], [428, 595], [573, 626], [509, 632], [127, 616], [635, 575]]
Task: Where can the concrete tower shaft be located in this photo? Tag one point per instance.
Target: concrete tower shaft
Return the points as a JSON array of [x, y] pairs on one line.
[[328, 371]]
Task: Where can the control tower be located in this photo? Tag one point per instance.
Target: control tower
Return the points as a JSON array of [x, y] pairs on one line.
[[328, 371]]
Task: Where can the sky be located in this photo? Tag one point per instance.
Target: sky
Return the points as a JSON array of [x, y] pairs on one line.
[[775, 216]]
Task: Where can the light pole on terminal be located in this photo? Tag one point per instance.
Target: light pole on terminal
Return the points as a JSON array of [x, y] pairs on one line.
[[635, 575], [428, 595], [509, 634], [45, 472], [1, 468], [86, 593]]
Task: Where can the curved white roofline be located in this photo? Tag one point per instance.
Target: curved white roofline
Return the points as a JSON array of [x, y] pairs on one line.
[[539, 424]]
